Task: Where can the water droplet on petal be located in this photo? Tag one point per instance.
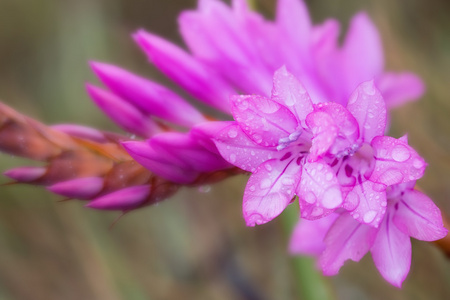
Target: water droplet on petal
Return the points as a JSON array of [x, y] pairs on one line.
[[369, 216], [332, 198], [310, 197], [328, 177], [232, 158], [418, 163], [265, 183], [400, 153], [232, 133], [204, 188]]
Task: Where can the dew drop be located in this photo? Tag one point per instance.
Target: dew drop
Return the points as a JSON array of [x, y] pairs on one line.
[[232, 133], [400, 153], [369, 216], [232, 158], [329, 176], [204, 188], [265, 183], [418, 163]]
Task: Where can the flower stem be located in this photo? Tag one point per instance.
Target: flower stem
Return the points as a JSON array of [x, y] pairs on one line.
[[310, 283]]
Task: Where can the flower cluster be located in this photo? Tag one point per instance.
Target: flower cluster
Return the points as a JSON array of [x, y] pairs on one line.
[[316, 132], [342, 168]]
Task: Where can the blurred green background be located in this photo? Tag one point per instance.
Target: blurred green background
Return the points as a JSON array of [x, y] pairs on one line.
[[195, 245]]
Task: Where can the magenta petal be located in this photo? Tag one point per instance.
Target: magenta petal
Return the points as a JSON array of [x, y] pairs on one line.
[[263, 120], [367, 106], [79, 188], [325, 132], [124, 199], [204, 133], [185, 70], [346, 239], [288, 91], [269, 190], [294, 23], [417, 216], [238, 149], [148, 96], [187, 152], [395, 161], [391, 252], [25, 174], [371, 199], [161, 164], [362, 52], [319, 191], [307, 237], [124, 114], [399, 88]]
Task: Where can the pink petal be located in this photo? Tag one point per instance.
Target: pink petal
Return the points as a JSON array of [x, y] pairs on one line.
[[148, 96], [391, 252], [417, 216], [395, 162], [367, 106], [371, 199], [263, 120], [238, 149], [124, 114], [399, 88], [346, 239], [325, 132], [288, 91], [25, 174], [206, 132], [269, 190], [159, 163], [187, 152], [79, 188], [319, 191], [81, 131], [294, 23], [307, 237], [125, 199], [362, 52], [190, 74]]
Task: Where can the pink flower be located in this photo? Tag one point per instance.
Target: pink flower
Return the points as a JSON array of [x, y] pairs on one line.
[[340, 237], [328, 155], [235, 49]]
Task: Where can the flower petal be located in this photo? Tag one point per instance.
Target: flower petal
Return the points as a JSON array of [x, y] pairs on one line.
[[362, 52], [307, 237], [395, 161], [263, 120], [269, 190], [391, 252], [124, 199], [346, 239], [417, 216], [186, 71], [162, 164], [238, 149], [148, 96], [325, 132], [371, 199], [79, 188], [367, 106], [123, 113], [319, 191], [399, 88], [288, 91]]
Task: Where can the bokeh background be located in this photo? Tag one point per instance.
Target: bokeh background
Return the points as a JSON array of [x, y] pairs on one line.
[[195, 245]]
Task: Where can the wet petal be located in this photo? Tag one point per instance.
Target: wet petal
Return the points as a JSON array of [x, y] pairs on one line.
[[346, 239], [417, 216], [269, 190], [324, 132], [367, 106], [391, 252], [238, 149], [371, 199], [288, 91], [319, 191], [263, 120], [395, 161]]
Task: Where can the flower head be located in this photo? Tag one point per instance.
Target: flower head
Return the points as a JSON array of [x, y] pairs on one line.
[[329, 155]]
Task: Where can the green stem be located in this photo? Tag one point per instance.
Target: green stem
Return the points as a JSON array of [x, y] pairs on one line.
[[310, 283]]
